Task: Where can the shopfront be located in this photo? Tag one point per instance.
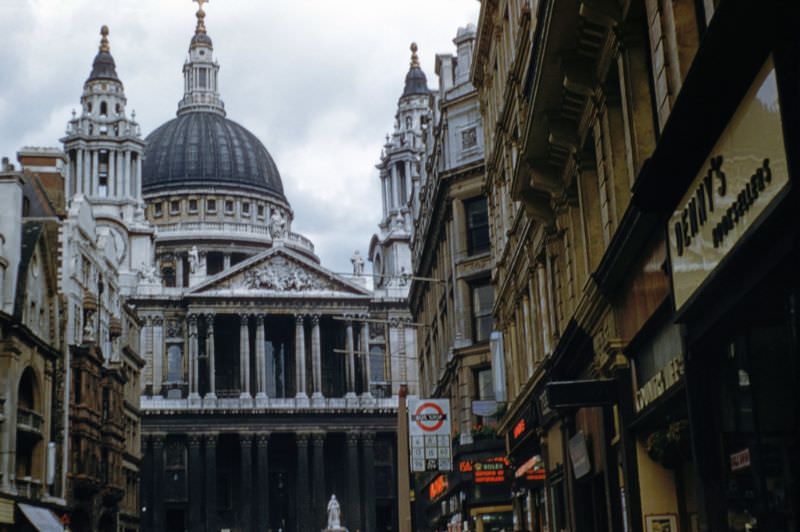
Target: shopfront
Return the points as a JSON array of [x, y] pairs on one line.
[[734, 265], [473, 497]]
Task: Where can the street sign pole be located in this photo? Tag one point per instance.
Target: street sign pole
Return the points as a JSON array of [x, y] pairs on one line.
[[403, 478]]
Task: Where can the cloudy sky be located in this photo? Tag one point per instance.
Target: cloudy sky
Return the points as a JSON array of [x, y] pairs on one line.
[[316, 80]]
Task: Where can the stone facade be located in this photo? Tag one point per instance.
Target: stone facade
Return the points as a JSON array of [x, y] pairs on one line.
[[451, 293], [269, 382], [31, 359]]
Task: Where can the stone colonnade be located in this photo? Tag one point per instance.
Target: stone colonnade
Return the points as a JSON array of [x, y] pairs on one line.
[[301, 384], [253, 508]]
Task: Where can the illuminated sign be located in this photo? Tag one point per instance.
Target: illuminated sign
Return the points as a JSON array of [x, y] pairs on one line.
[[519, 428], [437, 488], [490, 470]]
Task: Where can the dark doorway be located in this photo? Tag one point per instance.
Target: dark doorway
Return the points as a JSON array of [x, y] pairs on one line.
[[176, 520], [226, 355]]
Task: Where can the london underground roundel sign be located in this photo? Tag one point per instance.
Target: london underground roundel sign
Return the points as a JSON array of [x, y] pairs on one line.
[[429, 416]]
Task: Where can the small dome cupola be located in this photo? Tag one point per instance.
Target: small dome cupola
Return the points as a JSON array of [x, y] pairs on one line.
[[200, 72], [416, 82], [103, 66]]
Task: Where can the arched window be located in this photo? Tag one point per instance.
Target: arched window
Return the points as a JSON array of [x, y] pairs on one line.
[[27, 390], [103, 108]]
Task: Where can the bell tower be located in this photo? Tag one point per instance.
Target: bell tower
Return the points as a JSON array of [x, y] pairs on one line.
[[103, 146]]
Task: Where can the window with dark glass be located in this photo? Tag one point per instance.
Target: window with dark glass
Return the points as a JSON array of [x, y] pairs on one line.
[[211, 205], [158, 209], [260, 211], [228, 207], [245, 208], [481, 310], [174, 207], [477, 226], [192, 205]]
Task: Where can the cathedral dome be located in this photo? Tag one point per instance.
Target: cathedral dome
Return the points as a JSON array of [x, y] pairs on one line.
[[205, 149]]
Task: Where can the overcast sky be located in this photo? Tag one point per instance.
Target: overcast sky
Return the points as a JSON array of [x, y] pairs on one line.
[[316, 80]]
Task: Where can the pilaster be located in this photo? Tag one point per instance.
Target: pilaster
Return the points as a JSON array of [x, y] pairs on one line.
[[318, 487], [211, 481], [353, 513], [262, 457], [246, 480], [368, 474], [301, 471]]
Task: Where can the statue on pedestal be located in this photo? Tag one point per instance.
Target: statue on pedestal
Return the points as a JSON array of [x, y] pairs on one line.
[[334, 516]]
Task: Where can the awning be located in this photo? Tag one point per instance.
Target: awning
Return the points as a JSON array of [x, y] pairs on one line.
[[41, 518]]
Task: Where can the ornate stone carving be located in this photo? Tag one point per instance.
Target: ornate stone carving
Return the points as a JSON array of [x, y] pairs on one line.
[[175, 328], [262, 439], [318, 439], [282, 275], [358, 264], [210, 439], [277, 225], [148, 274], [194, 440]]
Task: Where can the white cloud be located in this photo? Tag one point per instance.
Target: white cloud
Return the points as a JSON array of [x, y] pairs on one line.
[[317, 81]]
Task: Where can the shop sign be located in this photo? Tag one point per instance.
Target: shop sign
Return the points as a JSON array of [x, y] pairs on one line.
[[740, 460], [437, 487], [579, 455], [532, 469], [429, 431], [742, 176], [491, 470], [663, 380], [484, 408], [519, 429]]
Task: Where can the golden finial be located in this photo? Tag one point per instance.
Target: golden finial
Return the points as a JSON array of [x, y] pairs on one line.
[[201, 16], [104, 40], [414, 58]]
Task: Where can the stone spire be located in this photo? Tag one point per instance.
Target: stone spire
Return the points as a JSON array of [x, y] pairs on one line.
[[200, 71], [103, 66]]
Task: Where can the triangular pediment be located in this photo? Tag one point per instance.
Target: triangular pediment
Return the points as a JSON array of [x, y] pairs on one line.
[[278, 272]]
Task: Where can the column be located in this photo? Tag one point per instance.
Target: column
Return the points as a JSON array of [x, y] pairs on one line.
[[300, 356], [262, 503], [112, 173], [126, 173], [246, 480], [319, 504], [364, 337], [178, 269], [195, 483], [78, 177], [211, 481], [316, 356], [353, 512], [244, 357], [261, 363], [158, 354], [95, 182], [212, 385], [301, 500], [351, 360], [368, 470], [193, 357], [120, 181], [138, 178], [158, 482], [87, 173]]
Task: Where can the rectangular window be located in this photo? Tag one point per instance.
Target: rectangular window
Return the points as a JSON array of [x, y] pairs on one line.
[[211, 205], [192, 205], [260, 211], [174, 207], [228, 206], [245, 208], [477, 226], [202, 78], [481, 310], [158, 209]]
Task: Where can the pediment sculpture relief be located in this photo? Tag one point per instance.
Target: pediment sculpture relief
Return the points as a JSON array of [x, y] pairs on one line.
[[282, 275]]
